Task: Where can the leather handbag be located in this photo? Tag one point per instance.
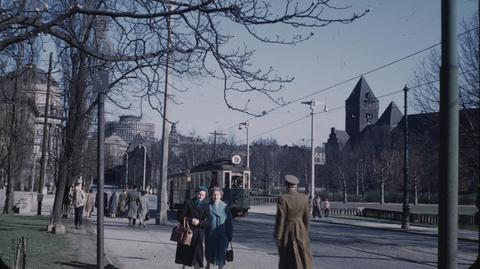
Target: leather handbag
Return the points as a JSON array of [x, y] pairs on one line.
[[229, 254], [182, 233]]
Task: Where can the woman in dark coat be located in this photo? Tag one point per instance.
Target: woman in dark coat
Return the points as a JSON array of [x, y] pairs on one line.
[[197, 215], [112, 204]]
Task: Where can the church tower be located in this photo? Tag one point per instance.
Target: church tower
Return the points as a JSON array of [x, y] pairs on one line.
[[361, 108]]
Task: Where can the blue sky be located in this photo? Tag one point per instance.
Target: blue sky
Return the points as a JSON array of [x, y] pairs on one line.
[[392, 30]]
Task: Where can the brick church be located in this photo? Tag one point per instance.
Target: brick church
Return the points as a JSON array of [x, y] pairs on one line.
[[368, 155]]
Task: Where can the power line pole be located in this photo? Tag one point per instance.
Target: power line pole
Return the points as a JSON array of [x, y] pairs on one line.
[[215, 133], [102, 88], [247, 165], [43, 158], [448, 198], [312, 184], [162, 192], [406, 207]]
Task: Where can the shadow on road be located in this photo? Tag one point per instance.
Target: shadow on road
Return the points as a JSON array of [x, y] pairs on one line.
[[75, 264]]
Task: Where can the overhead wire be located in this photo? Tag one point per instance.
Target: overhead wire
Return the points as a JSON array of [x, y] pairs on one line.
[[267, 112], [343, 106]]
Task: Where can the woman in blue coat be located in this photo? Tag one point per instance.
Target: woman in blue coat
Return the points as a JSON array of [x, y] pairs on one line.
[[220, 232]]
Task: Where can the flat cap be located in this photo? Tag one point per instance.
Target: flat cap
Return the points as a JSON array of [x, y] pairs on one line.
[[293, 180]]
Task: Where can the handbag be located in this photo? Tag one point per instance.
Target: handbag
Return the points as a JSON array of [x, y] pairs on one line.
[[182, 233], [229, 254]]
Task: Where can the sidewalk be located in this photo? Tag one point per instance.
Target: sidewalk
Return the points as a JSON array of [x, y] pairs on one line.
[[150, 247], [270, 209]]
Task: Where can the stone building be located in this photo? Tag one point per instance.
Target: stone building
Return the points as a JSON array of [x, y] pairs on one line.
[[373, 149], [30, 102], [129, 126]]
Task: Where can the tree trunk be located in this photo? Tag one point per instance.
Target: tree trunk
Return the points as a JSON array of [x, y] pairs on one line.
[[415, 193], [382, 192], [345, 200], [363, 188]]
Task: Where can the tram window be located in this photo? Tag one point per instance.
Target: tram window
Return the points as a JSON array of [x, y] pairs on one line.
[[227, 179], [247, 180], [237, 182]]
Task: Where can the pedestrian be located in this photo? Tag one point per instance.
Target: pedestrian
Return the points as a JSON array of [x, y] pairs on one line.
[[112, 204], [316, 206], [79, 199], [89, 204], [105, 203], [220, 232], [291, 228], [197, 214], [142, 208], [326, 209], [122, 203], [132, 202]]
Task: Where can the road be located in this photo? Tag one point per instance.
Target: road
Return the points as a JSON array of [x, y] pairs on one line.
[[333, 246], [343, 246]]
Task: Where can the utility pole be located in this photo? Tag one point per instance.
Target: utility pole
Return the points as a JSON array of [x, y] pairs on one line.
[[312, 184], [126, 170], [406, 206], [43, 158], [215, 133], [247, 165], [144, 164], [102, 88], [448, 191], [162, 192]]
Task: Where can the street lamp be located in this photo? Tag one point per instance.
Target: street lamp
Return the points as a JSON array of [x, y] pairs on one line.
[[248, 146], [312, 184], [126, 170], [144, 163], [406, 207]]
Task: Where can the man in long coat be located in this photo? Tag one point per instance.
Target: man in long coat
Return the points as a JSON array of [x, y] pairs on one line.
[[291, 228], [132, 201]]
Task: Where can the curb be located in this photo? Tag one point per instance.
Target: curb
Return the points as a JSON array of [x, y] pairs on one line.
[[108, 259], [382, 228], [395, 230]]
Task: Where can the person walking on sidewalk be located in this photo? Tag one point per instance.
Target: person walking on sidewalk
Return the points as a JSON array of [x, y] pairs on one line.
[[197, 215], [89, 204], [122, 203], [142, 208], [291, 228], [79, 199], [220, 232], [326, 207], [132, 201], [316, 206], [112, 204]]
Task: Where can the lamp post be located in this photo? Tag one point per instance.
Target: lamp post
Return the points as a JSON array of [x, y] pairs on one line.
[[144, 163], [248, 146], [126, 170], [312, 184], [406, 207]]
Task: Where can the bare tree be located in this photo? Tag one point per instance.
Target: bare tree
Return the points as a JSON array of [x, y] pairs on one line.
[[427, 97], [137, 30]]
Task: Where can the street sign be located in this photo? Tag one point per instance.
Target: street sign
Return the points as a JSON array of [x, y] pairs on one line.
[[236, 159]]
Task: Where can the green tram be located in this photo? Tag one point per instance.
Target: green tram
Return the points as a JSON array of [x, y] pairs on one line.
[[233, 179]]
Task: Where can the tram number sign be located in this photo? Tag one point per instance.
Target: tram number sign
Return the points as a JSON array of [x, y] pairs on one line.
[[236, 159]]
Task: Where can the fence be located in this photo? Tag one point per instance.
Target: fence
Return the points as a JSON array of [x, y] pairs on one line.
[[257, 200], [431, 219]]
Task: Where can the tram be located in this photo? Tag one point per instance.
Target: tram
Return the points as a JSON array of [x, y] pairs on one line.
[[223, 173]]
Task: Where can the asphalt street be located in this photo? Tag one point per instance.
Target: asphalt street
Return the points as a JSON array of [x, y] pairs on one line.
[[333, 246]]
